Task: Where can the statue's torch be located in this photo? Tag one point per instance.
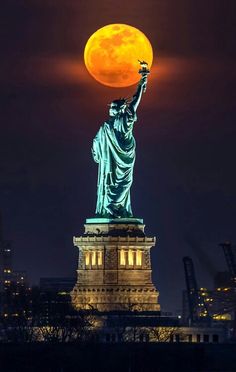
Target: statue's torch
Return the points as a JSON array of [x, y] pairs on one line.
[[144, 70]]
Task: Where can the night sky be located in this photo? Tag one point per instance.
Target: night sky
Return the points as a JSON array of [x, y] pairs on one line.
[[185, 180]]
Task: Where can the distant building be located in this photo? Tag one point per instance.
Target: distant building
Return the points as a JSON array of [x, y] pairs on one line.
[[5, 265], [219, 302], [57, 284], [19, 278], [222, 279], [14, 294], [113, 327], [54, 300]]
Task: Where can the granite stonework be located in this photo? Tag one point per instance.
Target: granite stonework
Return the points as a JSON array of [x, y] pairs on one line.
[[106, 283]]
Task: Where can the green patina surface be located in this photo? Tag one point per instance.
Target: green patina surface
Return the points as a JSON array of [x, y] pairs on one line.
[[114, 151], [115, 220]]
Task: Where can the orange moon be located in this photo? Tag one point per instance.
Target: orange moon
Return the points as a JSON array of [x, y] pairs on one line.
[[111, 54]]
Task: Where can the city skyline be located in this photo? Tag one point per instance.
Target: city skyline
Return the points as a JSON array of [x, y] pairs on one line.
[[52, 108]]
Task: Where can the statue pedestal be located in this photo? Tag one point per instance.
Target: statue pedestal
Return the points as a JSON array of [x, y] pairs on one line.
[[114, 268]]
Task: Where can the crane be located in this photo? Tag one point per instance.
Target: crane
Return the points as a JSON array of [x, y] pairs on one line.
[[230, 260], [196, 302]]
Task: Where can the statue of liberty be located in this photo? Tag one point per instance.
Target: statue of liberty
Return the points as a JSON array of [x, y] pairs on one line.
[[114, 151]]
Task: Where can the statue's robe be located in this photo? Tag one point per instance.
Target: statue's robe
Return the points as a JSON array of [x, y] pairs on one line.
[[114, 150]]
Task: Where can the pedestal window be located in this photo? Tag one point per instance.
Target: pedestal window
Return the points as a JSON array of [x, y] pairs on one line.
[[99, 257], [130, 257], [93, 255], [122, 257], [138, 258], [87, 258]]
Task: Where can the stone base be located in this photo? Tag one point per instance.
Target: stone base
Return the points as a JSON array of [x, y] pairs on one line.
[[115, 298], [114, 269]]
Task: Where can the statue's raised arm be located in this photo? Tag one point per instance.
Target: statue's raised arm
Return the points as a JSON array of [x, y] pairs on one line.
[[138, 94], [142, 86]]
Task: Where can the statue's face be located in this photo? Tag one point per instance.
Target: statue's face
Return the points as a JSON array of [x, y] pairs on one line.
[[113, 110]]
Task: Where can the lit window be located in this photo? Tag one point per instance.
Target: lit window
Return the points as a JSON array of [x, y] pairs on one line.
[[139, 258], [87, 258], [122, 257], [93, 258], [131, 257], [99, 258]]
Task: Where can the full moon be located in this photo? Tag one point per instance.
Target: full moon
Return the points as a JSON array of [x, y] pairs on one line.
[[111, 54]]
